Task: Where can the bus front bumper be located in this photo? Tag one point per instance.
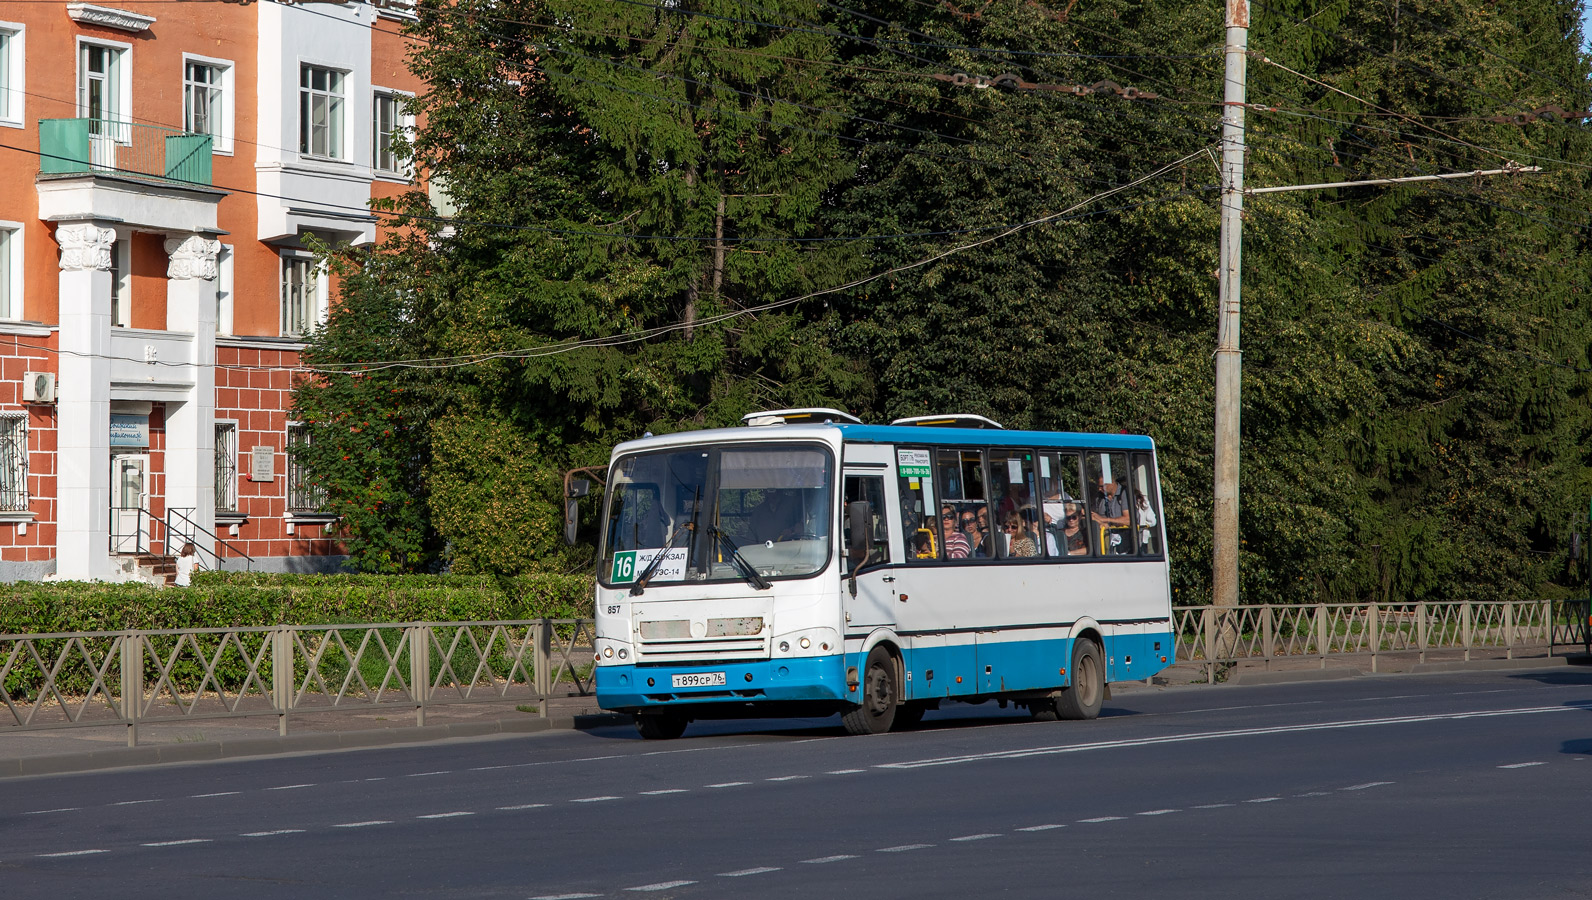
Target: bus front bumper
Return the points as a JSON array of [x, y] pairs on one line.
[[628, 688]]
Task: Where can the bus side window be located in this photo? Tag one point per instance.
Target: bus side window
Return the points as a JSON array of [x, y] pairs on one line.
[[1146, 505], [920, 520], [871, 489], [961, 475], [1110, 504], [1013, 489], [1062, 505]]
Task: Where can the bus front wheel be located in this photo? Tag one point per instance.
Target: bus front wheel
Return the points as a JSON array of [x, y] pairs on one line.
[[881, 693], [662, 727], [1083, 699]]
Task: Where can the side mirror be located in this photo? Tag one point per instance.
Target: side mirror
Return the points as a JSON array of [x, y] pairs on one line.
[[579, 487], [859, 537], [1575, 545]]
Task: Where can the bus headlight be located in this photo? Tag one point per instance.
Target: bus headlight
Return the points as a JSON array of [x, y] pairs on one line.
[[806, 643], [608, 652], [784, 646], [623, 653]]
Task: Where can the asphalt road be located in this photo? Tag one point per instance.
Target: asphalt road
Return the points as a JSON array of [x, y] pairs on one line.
[[1453, 786]]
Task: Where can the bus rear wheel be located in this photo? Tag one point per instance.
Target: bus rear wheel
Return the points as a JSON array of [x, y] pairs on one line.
[[880, 695], [1083, 699], [660, 727]]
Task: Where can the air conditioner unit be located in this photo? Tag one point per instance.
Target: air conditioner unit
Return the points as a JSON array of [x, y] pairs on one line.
[[38, 387]]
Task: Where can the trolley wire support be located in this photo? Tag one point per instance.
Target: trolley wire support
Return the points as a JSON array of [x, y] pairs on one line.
[[1011, 82]]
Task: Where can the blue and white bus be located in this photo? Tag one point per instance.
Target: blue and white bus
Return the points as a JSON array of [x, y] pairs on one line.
[[809, 564]]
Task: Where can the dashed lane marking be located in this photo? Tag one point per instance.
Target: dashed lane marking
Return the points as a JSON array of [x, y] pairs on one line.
[[975, 837], [1315, 794], [1100, 819], [829, 859], [488, 769], [757, 871], [1522, 765], [72, 853], [790, 778], [1361, 787], [565, 896], [294, 787], [593, 799], [177, 843], [1041, 827], [134, 802], [447, 815], [363, 824], [847, 771], [666, 791], [1157, 812], [1263, 800], [1214, 805], [216, 794], [524, 806], [904, 848], [724, 784], [660, 886], [424, 774], [44, 812], [270, 833]]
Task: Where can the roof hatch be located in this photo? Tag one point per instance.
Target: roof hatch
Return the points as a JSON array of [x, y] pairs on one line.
[[953, 420], [808, 416]]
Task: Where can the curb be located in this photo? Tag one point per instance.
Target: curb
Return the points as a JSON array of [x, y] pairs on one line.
[[205, 751], [1547, 662], [1261, 677]]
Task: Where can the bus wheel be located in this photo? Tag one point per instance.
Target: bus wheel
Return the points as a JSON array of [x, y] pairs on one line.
[[908, 716], [660, 727], [880, 694], [1088, 691]]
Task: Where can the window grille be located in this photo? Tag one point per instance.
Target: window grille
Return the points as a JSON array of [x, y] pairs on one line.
[[302, 496], [299, 292], [226, 467], [13, 463]]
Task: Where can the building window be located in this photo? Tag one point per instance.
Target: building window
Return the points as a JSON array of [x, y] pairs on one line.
[[207, 101], [10, 271], [302, 496], [321, 112], [388, 121], [13, 462], [300, 295], [103, 95], [226, 467], [121, 284], [12, 71]]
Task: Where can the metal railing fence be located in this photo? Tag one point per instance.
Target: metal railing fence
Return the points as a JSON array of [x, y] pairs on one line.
[[133, 678], [73, 146], [1215, 636]]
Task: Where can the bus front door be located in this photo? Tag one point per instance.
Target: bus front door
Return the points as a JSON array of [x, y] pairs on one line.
[[870, 592]]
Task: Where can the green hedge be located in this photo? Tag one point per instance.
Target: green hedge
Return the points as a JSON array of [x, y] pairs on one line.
[[226, 599]]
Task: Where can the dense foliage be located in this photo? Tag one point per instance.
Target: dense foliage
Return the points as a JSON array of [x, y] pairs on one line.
[[649, 179]]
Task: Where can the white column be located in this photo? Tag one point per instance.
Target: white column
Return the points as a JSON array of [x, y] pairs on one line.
[[190, 424], [83, 392]]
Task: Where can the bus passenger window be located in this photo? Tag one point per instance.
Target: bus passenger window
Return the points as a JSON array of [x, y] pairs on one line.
[[1013, 488], [1110, 504], [1061, 508], [871, 489], [1146, 505], [961, 487], [920, 521]]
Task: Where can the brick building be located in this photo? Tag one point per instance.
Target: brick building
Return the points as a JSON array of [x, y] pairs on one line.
[[164, 163]]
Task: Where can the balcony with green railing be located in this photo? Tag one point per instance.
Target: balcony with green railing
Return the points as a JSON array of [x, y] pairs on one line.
[[128, 149]]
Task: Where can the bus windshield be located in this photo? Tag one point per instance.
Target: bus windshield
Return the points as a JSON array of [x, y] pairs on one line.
[[713, 512]]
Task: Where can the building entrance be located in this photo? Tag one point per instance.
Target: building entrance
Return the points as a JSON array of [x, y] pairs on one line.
[[129, 499]]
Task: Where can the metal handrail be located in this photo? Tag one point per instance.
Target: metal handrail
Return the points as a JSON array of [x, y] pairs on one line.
[[174, 511], [141, 546]]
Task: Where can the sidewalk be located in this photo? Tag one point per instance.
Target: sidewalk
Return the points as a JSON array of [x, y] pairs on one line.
[[105, 747]]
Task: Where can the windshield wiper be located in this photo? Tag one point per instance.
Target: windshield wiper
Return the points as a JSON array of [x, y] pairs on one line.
[[652, 567], [746, 568]]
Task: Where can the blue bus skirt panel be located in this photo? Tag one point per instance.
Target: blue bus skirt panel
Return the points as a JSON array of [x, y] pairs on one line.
[[967, 669], [821, 678]]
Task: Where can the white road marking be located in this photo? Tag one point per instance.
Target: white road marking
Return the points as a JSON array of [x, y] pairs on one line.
[[382, 778], [490, 768], [1315, 794], [1041, 827], [1213, 805], [134, 802], [975, 837], [364, 824], [525, 806], [1101, 819], [847, 771], [904, 848], [790, 778], [216, 794], [41, 812], [424, 774], [294, 787], [269, 833], [729, 784], [757, 871], [593, 799], [1522, 765], [177, 843], [565, 896], [660, 886], [1263, 800], [1233, 733], [1157, 812], [829, 859], [666, 791], [72, 853], [452, 815], [1361, 787]]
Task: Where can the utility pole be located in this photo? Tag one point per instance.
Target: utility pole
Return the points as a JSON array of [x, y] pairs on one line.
[[1229, 360]]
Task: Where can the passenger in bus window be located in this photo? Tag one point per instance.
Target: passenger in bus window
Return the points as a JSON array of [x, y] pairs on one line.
[[1144, 517], [1110, 514], [976, 536], [957, 546], [1018, 541], [777, 518], [1030, 517], [1072, 532]]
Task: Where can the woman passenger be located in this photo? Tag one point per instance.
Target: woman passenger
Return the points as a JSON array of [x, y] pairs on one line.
[[1019, 542]]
